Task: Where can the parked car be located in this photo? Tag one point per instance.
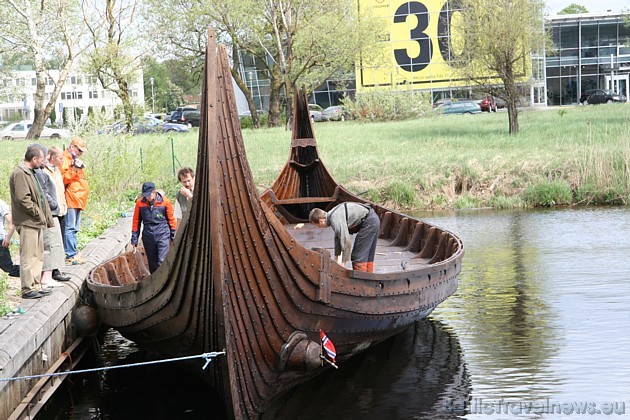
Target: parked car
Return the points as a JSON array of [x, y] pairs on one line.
[[336, 113], [176, 115], [191, 118], [442, 101], [488, 104], [459, 107], [19, 130], [145, 125], [601, 96], [317, 112]]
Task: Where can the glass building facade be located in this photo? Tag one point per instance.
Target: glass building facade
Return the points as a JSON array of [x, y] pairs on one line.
[[592, 51]]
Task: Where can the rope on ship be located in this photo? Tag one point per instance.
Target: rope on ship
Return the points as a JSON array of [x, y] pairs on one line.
[[206, 356]]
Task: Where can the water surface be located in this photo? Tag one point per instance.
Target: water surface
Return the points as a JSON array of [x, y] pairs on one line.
[[538, 325]]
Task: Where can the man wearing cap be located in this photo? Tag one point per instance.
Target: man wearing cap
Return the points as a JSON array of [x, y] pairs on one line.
[[156, 213], [77, 190]]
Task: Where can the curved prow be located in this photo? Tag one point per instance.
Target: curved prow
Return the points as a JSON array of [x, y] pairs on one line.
[[304, 182]]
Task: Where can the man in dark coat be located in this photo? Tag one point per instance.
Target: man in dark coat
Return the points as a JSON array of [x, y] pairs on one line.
[[31, 216]]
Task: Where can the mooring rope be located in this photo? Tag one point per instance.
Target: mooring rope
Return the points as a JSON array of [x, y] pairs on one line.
[[206, 356]]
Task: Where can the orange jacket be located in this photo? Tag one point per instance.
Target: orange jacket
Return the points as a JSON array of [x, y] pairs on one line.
[[75, 181]]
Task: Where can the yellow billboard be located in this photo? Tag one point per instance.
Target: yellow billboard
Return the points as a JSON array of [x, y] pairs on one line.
[[422, 49]]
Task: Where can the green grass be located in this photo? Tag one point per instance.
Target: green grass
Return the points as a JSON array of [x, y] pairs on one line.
[[580, 156]]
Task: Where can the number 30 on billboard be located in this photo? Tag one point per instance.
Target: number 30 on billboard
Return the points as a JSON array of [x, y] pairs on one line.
[[423, 47]]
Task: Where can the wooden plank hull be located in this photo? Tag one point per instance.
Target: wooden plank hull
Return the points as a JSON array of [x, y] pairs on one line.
[[240, 278]]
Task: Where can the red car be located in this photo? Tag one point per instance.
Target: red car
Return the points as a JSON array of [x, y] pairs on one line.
[[488, 104]]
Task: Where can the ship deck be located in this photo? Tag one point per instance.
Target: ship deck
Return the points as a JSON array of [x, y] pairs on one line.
[[388, 258]]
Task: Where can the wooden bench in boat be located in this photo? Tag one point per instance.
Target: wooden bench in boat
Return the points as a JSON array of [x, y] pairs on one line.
[[128, 268], [303, 200]]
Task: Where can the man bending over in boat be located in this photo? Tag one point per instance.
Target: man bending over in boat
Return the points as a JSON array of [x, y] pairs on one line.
[[156, 212], [345, 220]]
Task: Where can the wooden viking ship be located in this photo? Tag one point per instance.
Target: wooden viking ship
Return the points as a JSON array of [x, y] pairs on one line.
[[243, 277]]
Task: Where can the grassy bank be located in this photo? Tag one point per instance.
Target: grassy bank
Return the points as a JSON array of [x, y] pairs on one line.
[[577, 155]]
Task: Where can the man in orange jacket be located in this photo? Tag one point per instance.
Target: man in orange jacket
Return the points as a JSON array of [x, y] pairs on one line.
[[77, 190]]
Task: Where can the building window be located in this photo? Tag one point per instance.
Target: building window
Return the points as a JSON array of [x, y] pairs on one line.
[[93, 94], [72, 95], [34, 81]]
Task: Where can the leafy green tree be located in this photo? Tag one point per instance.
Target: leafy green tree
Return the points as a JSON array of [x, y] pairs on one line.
[[297, 42], [53, 116], [573, 9], [64, 117], [117, 47], [47, 35], [171, 79], [497, 39]]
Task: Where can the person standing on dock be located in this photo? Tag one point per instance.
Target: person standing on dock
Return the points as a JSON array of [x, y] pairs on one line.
[[31, 216], [156, 213], [6, 232], [345, 220], [53, 163], [184, 196], [77, 189]]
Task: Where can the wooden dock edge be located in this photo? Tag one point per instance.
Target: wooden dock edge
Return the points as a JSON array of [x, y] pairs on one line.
[[31, 342]]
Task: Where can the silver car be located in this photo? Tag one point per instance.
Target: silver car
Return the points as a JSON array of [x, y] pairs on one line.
[[317, 112], [19, 130]]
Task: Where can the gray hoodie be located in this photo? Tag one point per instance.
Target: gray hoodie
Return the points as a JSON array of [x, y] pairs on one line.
[[342, 219]]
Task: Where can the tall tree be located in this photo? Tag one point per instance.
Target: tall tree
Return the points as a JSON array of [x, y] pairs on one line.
[[49, 33], [498, 37], [573, 9], [295, 41], [117, 47]]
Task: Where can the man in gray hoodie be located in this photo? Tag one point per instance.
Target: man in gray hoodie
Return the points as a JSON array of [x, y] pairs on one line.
[[31, 216], [345, 220]]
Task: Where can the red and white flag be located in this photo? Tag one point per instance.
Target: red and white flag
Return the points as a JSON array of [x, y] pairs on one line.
[[328, 346]]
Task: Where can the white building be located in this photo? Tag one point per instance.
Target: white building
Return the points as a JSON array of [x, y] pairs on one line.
[[79, 92]]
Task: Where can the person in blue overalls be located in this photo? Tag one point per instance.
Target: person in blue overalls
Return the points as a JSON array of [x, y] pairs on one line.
[[156, 213]]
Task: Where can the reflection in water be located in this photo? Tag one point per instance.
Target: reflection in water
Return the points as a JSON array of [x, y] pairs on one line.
[[420, 373], [541, 302]]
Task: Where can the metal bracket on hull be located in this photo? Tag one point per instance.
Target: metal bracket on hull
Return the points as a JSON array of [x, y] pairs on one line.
[[323, 289]]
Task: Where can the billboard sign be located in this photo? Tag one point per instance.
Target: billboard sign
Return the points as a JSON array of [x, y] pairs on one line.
[[423, 48]]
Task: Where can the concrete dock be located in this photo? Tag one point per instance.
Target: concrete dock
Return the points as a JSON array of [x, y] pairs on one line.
[[31, 342]]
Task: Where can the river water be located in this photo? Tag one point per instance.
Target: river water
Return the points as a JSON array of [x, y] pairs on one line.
[[537, 329]]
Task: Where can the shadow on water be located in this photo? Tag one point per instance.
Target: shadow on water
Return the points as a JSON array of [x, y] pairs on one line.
[[164, 391], [420, 373]]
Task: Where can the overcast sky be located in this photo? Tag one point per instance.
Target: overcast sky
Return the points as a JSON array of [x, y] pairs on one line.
[[593, 6]]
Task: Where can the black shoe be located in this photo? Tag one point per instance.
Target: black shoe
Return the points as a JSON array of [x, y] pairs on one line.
[[45, 292], [32, 295], [60, 277]]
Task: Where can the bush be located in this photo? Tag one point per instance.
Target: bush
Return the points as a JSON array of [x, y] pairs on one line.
[[548, 194], [399, 193], [385, 105]]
